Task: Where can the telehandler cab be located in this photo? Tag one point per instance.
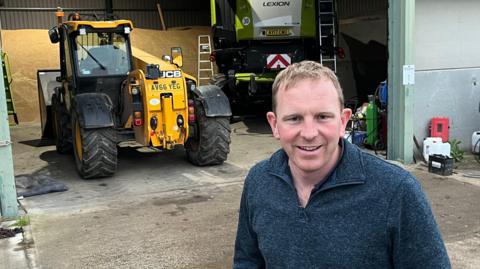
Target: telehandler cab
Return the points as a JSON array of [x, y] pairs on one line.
[[107, 94]]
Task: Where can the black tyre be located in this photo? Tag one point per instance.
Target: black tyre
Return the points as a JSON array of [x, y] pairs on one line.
[[61, 125], [95, 151], [211, 144]]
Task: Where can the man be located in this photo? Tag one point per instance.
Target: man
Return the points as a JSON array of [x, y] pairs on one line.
[[320, 202]]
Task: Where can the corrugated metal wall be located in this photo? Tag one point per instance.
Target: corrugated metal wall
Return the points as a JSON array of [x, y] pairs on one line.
[[39, 14]]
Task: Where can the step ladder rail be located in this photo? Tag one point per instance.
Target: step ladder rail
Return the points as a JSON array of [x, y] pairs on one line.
[[204, 66], [327, 30], [7, 78]]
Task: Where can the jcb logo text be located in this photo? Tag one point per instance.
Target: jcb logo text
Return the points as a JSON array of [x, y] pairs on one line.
[[171, 74]]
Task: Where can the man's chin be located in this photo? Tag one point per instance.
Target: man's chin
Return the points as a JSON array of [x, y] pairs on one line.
[[308, 166]]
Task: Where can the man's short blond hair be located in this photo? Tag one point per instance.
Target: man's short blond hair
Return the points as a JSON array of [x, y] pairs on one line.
[[296, 72]]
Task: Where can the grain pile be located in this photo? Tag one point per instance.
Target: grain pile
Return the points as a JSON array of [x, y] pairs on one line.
[[30, 50]]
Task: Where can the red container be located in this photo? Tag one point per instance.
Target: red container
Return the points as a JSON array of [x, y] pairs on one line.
[[439, 128]]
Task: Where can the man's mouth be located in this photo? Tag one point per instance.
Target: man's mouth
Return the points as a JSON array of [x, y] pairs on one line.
[[309, 148]]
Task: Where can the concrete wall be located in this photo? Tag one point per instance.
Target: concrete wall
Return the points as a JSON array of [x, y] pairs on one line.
[[447, 60], [452, 93], [447, 34]]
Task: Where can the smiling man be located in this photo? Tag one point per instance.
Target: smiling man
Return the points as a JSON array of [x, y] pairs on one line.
[[320, 202]]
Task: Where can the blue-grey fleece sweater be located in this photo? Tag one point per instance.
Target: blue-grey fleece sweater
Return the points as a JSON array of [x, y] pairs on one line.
[[367, 214]]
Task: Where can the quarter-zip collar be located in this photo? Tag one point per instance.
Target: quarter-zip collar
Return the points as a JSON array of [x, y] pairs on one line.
[[348, 171]]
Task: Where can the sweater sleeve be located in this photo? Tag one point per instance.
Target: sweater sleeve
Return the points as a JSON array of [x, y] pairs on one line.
[[415, 240], [247, 254]]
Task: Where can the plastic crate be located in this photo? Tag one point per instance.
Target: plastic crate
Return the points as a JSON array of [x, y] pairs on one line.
[[440, 164], [359, 137]]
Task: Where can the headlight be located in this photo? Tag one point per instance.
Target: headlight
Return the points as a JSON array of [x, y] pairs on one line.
[[166, 58], [135, 90]]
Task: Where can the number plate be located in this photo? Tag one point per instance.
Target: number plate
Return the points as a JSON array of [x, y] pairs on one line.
[[166, 87], [277, 32]]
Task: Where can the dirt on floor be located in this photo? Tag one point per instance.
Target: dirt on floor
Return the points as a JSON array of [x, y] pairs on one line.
[[30, 50], [5, 233]]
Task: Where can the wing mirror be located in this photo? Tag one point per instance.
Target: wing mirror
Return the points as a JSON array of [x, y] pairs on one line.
[[54, 35]]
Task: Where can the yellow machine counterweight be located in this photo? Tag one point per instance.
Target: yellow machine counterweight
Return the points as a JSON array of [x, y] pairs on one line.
[[164, 99]]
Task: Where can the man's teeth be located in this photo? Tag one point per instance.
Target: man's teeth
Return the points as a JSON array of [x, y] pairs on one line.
[[309, 148]]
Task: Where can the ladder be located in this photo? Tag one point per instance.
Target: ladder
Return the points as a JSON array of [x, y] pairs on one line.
[[328, 33], [205, 66], [7, 79]]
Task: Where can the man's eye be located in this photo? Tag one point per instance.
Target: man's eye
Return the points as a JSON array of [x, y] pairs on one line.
[[323, 117], [293, 119]]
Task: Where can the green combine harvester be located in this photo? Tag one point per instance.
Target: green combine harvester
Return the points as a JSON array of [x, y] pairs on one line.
[[254, 40]]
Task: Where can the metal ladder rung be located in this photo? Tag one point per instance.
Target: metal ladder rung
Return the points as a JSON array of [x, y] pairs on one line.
[[204, 47], [326, 13]]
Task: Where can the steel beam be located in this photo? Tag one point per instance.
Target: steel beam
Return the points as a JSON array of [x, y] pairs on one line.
[[8, 192], [401, 79]]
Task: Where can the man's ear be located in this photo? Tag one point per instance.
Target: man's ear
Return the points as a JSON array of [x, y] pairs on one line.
[[345, 117], [272, 120]]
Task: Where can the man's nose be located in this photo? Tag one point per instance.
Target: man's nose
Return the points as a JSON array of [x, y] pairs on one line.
[[309, 130]]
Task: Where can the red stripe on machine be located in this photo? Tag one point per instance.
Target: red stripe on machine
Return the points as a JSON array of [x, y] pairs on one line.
[[276, 61]]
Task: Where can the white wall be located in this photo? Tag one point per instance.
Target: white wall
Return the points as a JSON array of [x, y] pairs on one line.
[[447, 60], [447, 34], [451, 93]]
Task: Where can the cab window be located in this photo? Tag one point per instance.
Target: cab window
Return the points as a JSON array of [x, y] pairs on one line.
[[102, 54]]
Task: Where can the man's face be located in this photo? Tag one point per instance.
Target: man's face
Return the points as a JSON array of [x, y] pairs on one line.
[[309, 123]]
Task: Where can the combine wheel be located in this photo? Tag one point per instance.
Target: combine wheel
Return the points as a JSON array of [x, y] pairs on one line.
[[95, 151], [211, 143], [62, 127]]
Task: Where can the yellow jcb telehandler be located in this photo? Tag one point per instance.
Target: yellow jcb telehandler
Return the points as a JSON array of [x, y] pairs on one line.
[[107, 93]]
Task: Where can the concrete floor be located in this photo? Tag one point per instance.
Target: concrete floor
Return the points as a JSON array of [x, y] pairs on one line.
[[159, 211]]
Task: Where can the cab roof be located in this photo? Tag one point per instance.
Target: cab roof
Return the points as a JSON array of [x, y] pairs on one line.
[[74, 25]]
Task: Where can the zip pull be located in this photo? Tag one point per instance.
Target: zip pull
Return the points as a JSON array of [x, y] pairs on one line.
[[302, 215]]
